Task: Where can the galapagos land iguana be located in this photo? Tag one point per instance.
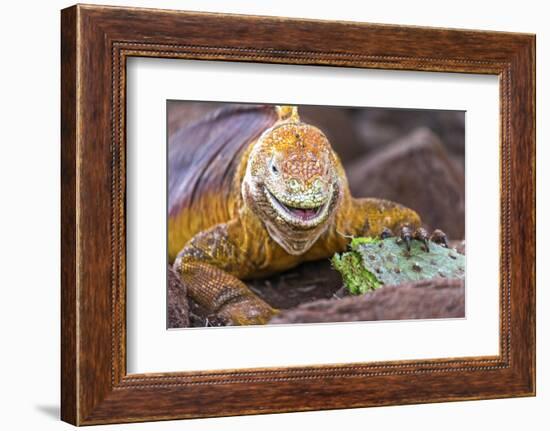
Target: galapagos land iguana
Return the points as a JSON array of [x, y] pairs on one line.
[[253, 191]]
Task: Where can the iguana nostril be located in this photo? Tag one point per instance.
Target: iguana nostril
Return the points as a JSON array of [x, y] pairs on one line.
[[294, 185], [318, 185]]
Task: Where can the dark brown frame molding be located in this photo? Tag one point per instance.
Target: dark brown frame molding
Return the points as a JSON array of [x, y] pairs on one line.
[[95, 43]]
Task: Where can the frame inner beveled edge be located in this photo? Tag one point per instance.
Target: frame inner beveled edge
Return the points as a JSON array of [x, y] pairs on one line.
[[120, 380]]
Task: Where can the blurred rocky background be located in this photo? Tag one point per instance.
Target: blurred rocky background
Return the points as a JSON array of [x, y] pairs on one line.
[[414, 157]]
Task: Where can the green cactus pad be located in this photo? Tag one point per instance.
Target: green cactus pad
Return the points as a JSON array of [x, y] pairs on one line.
[[371, 263]]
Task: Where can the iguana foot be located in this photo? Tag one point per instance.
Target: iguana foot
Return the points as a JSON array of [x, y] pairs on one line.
[[406, 235], [439, 237], [421, 234], [386, 233], [247, 311]]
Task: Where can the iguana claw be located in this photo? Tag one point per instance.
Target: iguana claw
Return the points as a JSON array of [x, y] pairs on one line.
[[386, 233], [421, 234], [439, 237], [406, 235]]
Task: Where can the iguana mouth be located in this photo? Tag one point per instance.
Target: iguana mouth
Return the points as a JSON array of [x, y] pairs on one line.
[[303, 217], [303, 213]]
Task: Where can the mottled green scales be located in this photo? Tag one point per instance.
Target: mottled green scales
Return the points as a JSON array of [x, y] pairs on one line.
[[371, 263]]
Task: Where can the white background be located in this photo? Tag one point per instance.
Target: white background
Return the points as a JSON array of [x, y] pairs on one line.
[[29, 216], [153, 349]]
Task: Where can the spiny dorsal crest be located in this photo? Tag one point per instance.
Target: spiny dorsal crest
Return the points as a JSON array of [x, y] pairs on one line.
[[288, 113]]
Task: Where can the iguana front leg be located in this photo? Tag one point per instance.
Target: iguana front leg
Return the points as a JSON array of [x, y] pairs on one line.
[[375, 217], [210, 265], [385, 219]]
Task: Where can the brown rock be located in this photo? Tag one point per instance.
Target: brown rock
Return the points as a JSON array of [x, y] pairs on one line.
[[417, 172], [378, 127], [178, 305], [308, 282], [428, 299]]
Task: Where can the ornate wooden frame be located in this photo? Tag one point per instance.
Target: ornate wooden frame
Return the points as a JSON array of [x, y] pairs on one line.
[[95, 43]]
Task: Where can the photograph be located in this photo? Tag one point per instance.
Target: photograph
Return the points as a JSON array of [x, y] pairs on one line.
[[302, 214]]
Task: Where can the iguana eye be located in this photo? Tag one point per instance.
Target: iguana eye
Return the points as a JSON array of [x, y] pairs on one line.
[[273, 167]]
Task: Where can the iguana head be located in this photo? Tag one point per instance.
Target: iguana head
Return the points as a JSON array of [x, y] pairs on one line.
[[292, 182]]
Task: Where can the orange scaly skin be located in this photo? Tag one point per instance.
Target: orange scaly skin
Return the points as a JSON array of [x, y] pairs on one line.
[[288, 203]]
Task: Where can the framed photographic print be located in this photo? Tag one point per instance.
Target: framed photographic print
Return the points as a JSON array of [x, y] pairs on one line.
[[264, 214]]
